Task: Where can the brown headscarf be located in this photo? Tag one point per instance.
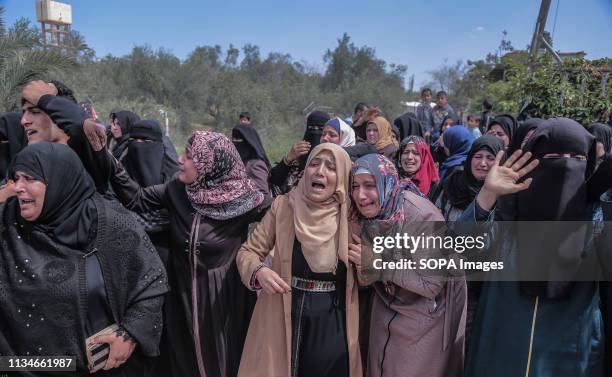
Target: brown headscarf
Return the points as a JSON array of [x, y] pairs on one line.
[[322, 227], [385, 133]]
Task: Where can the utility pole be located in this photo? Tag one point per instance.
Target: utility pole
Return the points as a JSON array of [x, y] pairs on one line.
[[538, 34]]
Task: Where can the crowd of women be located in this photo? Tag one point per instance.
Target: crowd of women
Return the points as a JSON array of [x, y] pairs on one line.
[[218, 263]]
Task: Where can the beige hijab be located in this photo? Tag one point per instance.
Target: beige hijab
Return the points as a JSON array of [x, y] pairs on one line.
[[322, 227], [385, 133]]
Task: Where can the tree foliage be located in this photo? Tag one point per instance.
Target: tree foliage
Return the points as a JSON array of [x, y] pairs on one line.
[[212, 85], [22, 59]]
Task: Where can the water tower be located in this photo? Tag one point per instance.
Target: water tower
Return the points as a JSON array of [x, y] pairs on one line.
[[55, 19]]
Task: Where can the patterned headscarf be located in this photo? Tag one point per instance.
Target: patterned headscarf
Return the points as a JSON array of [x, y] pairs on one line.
[[427, 173], [222, 190], [388, 184]]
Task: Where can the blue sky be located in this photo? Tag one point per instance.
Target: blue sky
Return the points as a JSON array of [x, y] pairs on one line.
[[420, 34]]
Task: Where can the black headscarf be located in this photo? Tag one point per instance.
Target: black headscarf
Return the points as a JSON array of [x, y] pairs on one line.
[[447, 117], [603, 134], [461, 187], [408, 125], [557, 193], [126, 119], [69, 213], [506, 205], [314, 130], [146, 162], [13, 137], [521, 132], [507, 123], [251, 146]]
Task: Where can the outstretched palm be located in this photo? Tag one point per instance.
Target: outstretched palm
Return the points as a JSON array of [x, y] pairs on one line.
[[504, 179]]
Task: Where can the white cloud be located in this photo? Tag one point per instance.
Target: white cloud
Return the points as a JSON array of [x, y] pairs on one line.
[[479, 28]]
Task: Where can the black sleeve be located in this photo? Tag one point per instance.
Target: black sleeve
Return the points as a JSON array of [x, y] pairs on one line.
[[359, 150], [601, 180], [134, 197], [257, 171], [279, 173], [134, 277], [69, 117], [480, 213]]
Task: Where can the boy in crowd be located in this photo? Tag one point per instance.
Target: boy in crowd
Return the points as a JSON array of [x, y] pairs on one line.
[[472, 122], [244, 117], [440, 111], [424, 112]]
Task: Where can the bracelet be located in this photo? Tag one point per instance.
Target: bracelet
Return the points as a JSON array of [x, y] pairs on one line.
[[122, 332], [254, 283]]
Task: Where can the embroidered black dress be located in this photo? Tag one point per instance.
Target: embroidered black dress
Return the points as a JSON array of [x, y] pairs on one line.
[[319, 346], [202, 257]]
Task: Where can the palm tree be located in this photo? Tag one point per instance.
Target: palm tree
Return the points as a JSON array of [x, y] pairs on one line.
[[22, 59]]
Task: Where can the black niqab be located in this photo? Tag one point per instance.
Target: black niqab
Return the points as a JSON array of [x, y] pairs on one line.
[[408, 125], [69, 213], [251, 146], [557, 193], [461, 187], [146, 161], [13, 139], [314, 130]]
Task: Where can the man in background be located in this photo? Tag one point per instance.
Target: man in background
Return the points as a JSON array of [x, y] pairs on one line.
[[244, 118]]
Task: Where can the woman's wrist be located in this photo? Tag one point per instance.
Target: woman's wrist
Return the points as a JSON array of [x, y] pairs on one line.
[[254, 283], [486, 199]]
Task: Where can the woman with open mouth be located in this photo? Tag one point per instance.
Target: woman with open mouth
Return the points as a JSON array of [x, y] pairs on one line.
[[414, 161], [417, 322], [305, 322], [73, 264]]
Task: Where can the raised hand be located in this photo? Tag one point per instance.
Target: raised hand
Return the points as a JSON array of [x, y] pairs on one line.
[[298, 149], [504, 179], [371, 113], [35, 89], [96, 134]]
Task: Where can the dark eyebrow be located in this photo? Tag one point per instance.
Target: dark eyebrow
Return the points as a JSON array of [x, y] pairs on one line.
[[28, 106]]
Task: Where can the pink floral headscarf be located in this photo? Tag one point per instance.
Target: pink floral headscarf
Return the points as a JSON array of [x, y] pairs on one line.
[[222, 190]]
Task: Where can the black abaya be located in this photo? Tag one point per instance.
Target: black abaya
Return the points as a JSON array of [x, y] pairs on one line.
[[225, 304]]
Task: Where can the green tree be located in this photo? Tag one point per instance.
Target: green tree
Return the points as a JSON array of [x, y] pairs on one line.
[[22, 59]]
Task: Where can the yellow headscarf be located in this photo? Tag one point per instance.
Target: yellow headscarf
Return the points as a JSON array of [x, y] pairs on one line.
[[322, 227], [385, 133]]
